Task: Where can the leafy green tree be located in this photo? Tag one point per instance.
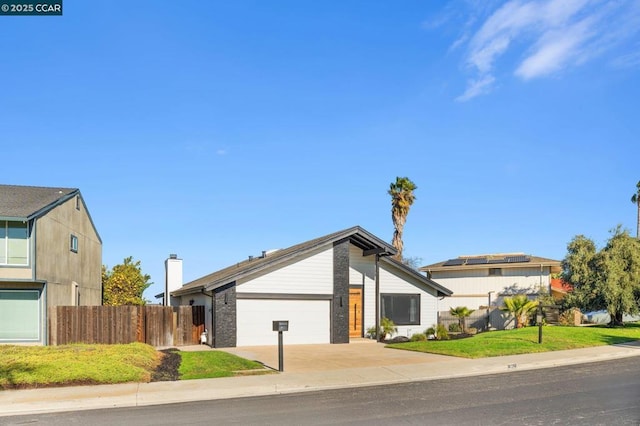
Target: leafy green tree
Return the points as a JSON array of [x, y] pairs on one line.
[[520, 306], [461, 312], [606, 279], [124, 284], [402, 198], [635, 199]]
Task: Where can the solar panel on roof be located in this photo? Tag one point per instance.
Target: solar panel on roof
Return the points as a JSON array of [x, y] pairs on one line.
[[500, 260], [518, 259], [477, 261], [454, 262]]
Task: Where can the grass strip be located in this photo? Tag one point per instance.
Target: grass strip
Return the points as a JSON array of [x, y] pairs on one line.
[[212, 364], [525, 340]]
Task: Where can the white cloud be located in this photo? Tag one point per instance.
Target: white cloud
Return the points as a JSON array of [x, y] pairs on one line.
[[630, 60], [553, 35], [554, 51], [477, 87]]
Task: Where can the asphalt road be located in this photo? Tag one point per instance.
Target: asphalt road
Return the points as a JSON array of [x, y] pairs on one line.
[[604, 393]]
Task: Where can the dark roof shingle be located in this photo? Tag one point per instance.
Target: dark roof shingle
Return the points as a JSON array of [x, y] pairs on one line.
[[26, 201]]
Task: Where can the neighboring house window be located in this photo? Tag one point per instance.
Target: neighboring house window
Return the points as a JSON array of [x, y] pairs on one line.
[[77, 202], [74, 244], [14, 243], [494, 272], [19, 315], [402, 309]]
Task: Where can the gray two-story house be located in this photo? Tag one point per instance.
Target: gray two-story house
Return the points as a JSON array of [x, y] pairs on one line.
[[50, 255]]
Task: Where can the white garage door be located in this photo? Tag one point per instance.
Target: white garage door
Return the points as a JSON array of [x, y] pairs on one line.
[[309, 321]]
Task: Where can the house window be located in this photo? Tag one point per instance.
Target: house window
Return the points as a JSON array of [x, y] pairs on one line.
[[14, 243], [19, 315], [77, 202], [402, 309], [495, 272], [74, 244]]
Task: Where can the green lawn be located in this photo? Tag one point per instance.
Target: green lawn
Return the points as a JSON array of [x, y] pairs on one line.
[[211, 364], [45, 366], [34, 366], [525, 340]]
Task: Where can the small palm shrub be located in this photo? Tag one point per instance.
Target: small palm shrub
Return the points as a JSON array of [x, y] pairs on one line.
[[387, 327], [439, 331]]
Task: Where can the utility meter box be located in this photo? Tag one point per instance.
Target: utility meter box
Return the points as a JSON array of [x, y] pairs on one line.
[[280, 325]]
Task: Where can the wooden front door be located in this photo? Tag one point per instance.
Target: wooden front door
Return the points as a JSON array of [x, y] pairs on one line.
[[355, 312]]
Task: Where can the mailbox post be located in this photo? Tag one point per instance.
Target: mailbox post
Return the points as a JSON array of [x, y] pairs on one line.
[[280, 326]]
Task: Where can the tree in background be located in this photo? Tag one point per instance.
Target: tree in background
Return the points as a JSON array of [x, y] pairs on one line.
[[124, 284], [461, 312], [402, 198], [520, 306], [606, 279], [635, 199]]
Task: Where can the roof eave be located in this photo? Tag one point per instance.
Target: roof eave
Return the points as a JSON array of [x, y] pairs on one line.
[[441, 290], [53, 204]]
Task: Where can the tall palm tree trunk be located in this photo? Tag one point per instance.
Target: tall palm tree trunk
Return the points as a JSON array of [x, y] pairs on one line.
[[638, 220], [398, 221]]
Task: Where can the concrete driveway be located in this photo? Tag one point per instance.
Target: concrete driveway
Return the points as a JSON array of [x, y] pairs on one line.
[[356, 354]]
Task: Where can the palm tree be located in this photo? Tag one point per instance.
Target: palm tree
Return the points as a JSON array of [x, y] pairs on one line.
[[402, 198], [635, 199], [521, 307], [461, 312]]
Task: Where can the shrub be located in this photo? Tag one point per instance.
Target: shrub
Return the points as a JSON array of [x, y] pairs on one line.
[[419, 337], [472, 330], [568, 317], [442, 333], [371, 332], [454, 328], [387, 327]]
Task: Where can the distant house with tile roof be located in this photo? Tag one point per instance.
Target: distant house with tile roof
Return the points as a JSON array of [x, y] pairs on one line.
[[485, 280], [50, 255]]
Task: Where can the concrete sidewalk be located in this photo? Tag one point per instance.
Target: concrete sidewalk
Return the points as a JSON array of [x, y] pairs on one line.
[[15, 402]]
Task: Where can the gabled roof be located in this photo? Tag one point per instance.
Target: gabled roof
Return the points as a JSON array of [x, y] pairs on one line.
[[356, 235], [23, 203], [495, 260], [27, 202]]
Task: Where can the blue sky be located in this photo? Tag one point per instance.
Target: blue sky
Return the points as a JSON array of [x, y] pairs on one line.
[[216, 130]]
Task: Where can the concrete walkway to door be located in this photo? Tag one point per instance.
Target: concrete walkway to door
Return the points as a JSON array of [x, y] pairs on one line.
[[359, 353]]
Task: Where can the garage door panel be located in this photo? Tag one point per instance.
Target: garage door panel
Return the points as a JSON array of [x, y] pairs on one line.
[[309, 321]]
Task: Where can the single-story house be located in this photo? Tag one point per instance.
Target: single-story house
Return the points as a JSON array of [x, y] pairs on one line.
[[326, 288]]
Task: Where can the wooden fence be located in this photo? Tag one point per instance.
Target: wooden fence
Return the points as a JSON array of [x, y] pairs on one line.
[[154, 325]]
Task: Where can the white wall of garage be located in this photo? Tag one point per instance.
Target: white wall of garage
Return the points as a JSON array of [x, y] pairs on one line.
[[309, 321]]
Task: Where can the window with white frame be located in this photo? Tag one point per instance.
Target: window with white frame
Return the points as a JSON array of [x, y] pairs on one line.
[[14, 243], [73, 245]]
